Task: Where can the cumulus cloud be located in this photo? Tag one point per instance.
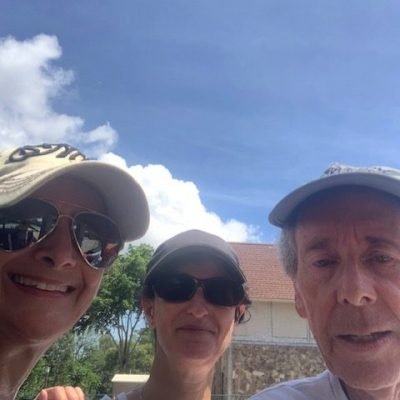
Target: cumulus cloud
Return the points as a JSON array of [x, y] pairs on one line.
[[29, 83], [175, 206]]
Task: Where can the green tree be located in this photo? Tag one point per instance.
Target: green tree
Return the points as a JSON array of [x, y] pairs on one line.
[[116, 311], [63, 364], [35, 382], [144, 352], [104, 359]]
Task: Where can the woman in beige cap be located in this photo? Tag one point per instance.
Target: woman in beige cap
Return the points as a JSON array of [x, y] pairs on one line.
[[63, 220]]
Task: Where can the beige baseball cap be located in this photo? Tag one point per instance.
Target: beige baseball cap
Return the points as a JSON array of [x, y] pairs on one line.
[[25, 169]]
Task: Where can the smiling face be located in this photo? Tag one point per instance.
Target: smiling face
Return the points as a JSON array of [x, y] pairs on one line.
[[46, 288], [348, 284], [195, 331]]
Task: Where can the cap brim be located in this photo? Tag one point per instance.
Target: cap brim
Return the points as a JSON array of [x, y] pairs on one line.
[[285, 207]]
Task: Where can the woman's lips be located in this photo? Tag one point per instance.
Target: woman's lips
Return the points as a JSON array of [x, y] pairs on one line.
[[39, 284], [196, 328]]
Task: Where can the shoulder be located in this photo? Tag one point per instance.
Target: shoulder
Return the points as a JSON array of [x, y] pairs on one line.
[[323, 386]]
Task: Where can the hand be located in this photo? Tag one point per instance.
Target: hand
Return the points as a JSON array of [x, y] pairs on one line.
[[61, 393]]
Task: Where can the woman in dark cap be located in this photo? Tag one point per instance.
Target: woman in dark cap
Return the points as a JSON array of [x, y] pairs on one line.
[[194, 295]]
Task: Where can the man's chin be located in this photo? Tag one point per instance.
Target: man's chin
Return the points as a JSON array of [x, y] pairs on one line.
[[373, 377]]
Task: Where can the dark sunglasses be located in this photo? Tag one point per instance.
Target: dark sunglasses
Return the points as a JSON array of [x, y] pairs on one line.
[[220, 291], [31, 220]]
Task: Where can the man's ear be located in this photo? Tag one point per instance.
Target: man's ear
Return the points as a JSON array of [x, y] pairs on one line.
[[148, 309], [299, 302]]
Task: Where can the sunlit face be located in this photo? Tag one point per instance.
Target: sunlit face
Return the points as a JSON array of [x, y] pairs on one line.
[[348, 284], [192, 332], [46, 288]]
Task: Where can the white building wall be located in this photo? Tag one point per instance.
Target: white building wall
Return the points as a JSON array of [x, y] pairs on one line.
[[274, 322], [286, 323]]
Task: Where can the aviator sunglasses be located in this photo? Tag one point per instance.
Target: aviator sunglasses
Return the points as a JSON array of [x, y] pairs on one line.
[[31, 220], [220, 291]]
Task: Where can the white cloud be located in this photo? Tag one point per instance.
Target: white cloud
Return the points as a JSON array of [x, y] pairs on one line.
[[175, 206], [29, 82]]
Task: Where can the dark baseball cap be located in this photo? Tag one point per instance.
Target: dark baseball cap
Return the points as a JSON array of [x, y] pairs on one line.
[[194, 242]]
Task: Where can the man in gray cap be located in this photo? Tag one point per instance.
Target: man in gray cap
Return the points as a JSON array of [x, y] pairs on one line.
[[340, 244], [63, 220]]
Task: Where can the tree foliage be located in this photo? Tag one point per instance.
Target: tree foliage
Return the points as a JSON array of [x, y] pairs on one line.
[[116, 311], [89, 361], [65, 363]]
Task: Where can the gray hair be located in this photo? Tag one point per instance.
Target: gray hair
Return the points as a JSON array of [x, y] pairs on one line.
[[288, 249]]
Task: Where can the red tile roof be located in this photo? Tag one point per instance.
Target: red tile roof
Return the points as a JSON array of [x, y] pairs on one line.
[[264, 272]]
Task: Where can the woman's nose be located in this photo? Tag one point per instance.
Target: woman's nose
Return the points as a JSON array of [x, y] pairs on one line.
[[198, 305], [58, 249]]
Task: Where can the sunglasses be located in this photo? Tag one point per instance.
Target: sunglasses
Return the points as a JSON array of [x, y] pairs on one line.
[[220, 291], [31, 220]]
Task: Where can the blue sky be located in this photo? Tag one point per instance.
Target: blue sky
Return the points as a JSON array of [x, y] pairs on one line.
[[236, 102]]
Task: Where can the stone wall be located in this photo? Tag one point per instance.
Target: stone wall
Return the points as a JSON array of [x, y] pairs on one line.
[[253, 367]]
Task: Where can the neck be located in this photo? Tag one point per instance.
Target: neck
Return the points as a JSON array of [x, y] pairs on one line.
[[169, 381], [16, 362], [388, 393]]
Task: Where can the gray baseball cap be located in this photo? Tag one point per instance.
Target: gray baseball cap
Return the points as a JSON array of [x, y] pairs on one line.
[[194, 242], [385, 179]]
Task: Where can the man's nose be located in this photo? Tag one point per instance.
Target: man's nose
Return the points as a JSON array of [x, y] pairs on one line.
[[58, 250], [198, 306], [355, 286]]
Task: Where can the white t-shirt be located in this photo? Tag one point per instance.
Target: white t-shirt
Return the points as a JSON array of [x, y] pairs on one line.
[[324, 386]]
